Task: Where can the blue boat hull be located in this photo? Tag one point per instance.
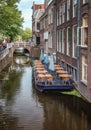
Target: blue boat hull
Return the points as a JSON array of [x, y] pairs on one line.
[[43, 88]]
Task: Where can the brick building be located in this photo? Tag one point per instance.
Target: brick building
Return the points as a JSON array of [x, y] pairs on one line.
[[73, 41], [38, 10], [66, 30], [67, 25], [46, 27]]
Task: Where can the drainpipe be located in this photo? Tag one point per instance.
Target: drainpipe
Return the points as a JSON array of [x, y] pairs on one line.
[[55, 29], [79, 42]]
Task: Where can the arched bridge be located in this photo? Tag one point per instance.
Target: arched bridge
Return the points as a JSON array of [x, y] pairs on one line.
[[24, 45], [34, 51], [13, 46]]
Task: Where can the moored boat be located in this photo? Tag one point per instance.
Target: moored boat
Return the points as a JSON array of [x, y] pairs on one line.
[[47, 81]]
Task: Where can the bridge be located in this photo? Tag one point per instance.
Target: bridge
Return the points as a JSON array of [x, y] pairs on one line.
[[9, 50], [14, 46], [6, 53]]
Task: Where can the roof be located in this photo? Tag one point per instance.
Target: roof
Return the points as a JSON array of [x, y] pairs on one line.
[[38, 6]]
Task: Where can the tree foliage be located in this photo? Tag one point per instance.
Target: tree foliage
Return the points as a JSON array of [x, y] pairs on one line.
[[26, 34], [10, 18]]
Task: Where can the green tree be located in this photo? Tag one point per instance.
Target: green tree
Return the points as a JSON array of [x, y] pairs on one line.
[[10, 18], [26, 34]]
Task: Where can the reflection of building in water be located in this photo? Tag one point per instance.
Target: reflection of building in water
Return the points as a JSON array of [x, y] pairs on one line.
[[65, 113]]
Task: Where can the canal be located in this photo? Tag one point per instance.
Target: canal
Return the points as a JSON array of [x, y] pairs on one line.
[[24, 108]]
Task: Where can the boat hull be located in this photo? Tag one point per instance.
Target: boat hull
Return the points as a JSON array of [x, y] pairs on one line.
[[43, 88]]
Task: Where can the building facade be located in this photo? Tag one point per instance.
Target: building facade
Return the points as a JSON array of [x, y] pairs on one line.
[[38, 10], [66, 31], [46, 27], [67, 35]]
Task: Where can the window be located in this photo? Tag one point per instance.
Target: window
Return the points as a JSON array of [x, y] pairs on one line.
[[57, 17], [68, 10], [74, 8], [60, 15], [44, 23], [71, 70], [58, 40], [84, 31], [68, 40], [63, 13], [63, 40], [50, 39], [85, 1], [38, 26], [84, 69], [84, 36], [85, 20], [50, 16], [74, 39], [37, 40]]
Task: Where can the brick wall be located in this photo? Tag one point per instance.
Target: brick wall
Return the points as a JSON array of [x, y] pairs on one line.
[[89, 45]]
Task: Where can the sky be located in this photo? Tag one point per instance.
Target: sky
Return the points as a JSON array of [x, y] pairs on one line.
[[25, 7]]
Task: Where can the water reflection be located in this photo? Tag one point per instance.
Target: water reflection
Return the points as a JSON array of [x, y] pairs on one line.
[[24, 108], [10, 86], [65, 112], [21, 60]]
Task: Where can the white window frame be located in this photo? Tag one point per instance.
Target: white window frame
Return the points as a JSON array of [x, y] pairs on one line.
[[68, 44], [63, 42], [50, 39], [63, 12], [68, 10], [84, 69], [60, 41], [75, 56], [84, 28], [60, 15], [50, 16], [83, 39], [57, 17], [74, 4], [57, 40]]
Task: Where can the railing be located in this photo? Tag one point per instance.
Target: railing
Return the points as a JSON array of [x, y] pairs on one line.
[[21, 44], [10, 45], [3, 53]]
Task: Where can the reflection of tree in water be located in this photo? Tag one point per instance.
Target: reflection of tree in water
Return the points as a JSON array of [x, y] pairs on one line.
[[9, 87], [8, 91], [65, 112]]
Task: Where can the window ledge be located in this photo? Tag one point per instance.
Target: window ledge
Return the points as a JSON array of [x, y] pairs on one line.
[[84, 46], [74, 57], [84, 82], [68, 55]]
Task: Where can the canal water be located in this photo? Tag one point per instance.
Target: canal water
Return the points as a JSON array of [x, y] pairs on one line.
[[24, 108]]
